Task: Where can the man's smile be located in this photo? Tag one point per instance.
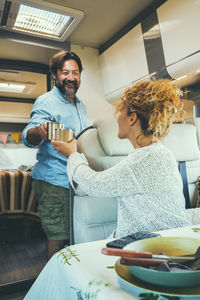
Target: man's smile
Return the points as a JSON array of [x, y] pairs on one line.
[[70, 85]]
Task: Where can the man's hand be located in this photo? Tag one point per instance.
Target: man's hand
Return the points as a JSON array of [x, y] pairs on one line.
[[65, 148], [37, 134]]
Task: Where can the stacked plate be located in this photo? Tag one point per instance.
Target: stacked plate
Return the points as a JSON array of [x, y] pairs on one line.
[[179, 283]]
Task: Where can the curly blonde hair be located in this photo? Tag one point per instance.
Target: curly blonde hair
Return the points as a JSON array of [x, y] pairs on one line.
[[155, 102]]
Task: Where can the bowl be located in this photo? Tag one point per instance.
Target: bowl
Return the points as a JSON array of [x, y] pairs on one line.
[[172, 246]]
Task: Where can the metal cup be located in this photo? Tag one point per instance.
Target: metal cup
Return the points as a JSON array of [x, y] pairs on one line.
[[51, 129], [57, 134], [67, 135]]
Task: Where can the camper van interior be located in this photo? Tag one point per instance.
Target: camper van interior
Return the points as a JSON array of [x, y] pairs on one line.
[[119, 43]]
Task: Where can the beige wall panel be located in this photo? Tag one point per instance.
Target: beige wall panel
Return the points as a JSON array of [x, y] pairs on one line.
[[179, 25], [91, 89], [124, 62], [13, 112], [19, 51]]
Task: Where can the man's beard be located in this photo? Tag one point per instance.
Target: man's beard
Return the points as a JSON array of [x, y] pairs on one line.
[[68, 92]]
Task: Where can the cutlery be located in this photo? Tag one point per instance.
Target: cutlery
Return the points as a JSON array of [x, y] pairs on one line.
[[196, 265], [143, 262], [141, 254]]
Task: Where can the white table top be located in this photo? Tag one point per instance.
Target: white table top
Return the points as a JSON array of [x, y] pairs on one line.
[[82, 272]]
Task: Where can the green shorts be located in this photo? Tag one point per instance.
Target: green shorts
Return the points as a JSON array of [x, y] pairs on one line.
[[54, 209]]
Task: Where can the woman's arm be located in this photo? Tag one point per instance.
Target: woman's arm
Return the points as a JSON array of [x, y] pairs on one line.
[[116, 181]]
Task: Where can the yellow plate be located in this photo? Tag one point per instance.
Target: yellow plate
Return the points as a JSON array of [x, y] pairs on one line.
[[131, 281]]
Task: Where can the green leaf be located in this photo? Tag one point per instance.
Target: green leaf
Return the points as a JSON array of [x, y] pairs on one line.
[[196, 229], [110, 267], [148, 296]]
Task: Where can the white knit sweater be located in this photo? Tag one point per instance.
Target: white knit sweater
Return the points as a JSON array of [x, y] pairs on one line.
[[147, 185]]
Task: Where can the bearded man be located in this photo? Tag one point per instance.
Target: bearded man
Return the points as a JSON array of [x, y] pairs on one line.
[[50, 182]]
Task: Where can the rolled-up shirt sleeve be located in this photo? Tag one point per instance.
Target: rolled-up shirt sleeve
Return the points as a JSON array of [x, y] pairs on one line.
[[113, 182], [39, 115]]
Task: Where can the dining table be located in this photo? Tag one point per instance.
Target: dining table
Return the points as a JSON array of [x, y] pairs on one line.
[[81, 271]]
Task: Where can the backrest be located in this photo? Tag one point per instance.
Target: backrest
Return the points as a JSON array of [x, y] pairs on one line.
[[95, 218], [196, 122], [101, 146], [182, 141]]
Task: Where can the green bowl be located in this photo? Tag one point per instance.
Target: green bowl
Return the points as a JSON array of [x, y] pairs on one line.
[[172, 246]]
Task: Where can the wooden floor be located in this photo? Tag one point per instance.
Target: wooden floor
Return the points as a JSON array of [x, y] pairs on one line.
[[21, 260], [22, 257], [14, 296], [15, 290]]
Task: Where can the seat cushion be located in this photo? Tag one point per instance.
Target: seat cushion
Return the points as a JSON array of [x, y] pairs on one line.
[[93, 218]]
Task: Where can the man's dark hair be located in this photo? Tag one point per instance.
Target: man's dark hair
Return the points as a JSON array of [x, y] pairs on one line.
[[59, 58]]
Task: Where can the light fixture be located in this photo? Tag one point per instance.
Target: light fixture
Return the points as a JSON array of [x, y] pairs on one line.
[[12, 88], [39, 18]]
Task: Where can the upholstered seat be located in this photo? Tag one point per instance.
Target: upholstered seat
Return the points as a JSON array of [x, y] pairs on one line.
[[95, 218]]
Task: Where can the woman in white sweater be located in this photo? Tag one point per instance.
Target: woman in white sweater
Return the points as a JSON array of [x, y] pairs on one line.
[[147, 183]]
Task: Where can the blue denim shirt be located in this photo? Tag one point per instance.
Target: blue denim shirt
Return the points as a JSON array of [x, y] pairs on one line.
[[53, 106]]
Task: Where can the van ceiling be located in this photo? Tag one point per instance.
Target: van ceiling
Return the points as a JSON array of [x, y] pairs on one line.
[[102, 19]]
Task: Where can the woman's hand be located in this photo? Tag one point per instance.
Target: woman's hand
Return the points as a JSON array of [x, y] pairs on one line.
[[65, 148]]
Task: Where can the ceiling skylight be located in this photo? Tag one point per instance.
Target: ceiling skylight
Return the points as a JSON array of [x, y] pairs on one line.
[[36, 20], [39, 18]]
